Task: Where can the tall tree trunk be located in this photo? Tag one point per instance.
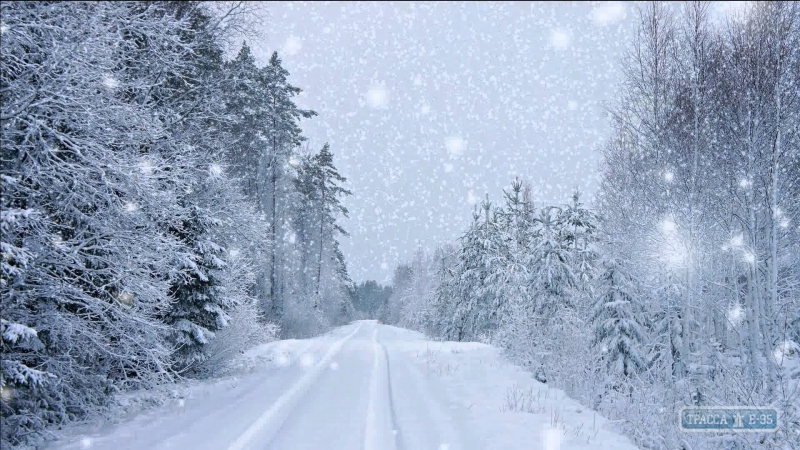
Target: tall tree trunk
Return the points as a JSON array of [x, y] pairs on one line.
[[321, 228]]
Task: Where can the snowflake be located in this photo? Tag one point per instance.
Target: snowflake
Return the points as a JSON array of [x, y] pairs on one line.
[[735, 315], [471, 197], [110, 82], [293, 45], [572, 105], [455, 146], [425, 109], [749, 257], [215, 170], [668, 225], [146, 167], [378, 96], [448, 167], [559, 38], [86, 442], [608, 13], [744, 183], [669, 176], [131, 207], [234, 252]]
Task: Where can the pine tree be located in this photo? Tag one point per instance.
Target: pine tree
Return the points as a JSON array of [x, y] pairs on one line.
[[282, 134], [617, 329], [552, 278], [200, 307], [327, 181]]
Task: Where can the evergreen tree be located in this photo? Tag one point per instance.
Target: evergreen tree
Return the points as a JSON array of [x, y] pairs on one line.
[[327, 183], [552, 278], [615, 312], [282, 134], [200, 306]]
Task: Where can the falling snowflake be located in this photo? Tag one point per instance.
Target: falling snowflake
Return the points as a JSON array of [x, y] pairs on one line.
[[110, 82], [735, 315], [146, 167], [3, 28], [745, 183], [378, 96], [455, 146], [131, 207], [737, 241], [608, 13], [86, 442], [234, 252], [472, 198], [668, 225], [448, 167], [669, 176], [559, 38], [215, 170], [424, 109], [749, 257], [417, 80], [384, 266], [58, 241], [293, 45], [334, 366], [572, 105]]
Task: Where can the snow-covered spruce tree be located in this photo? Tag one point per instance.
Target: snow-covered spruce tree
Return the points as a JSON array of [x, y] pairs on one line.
[[223, 226], [579, 229], [200, 306], [552, 279], [479, 256], [615, 314], [513, 303], [327, 185]]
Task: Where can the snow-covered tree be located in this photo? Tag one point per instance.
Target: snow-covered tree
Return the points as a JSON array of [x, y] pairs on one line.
[[617, 330]]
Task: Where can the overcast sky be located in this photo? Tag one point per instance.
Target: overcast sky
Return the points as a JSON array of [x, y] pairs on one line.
[[429, 106]]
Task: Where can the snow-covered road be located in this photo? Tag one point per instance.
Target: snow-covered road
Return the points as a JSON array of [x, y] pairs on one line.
[[365, 386]]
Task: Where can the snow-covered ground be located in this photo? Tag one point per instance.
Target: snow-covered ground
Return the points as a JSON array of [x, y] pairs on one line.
[[362, 386]]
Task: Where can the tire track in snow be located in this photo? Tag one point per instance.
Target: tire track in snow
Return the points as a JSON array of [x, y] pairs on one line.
[[302, 385], [398, 437], [380, 431]]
